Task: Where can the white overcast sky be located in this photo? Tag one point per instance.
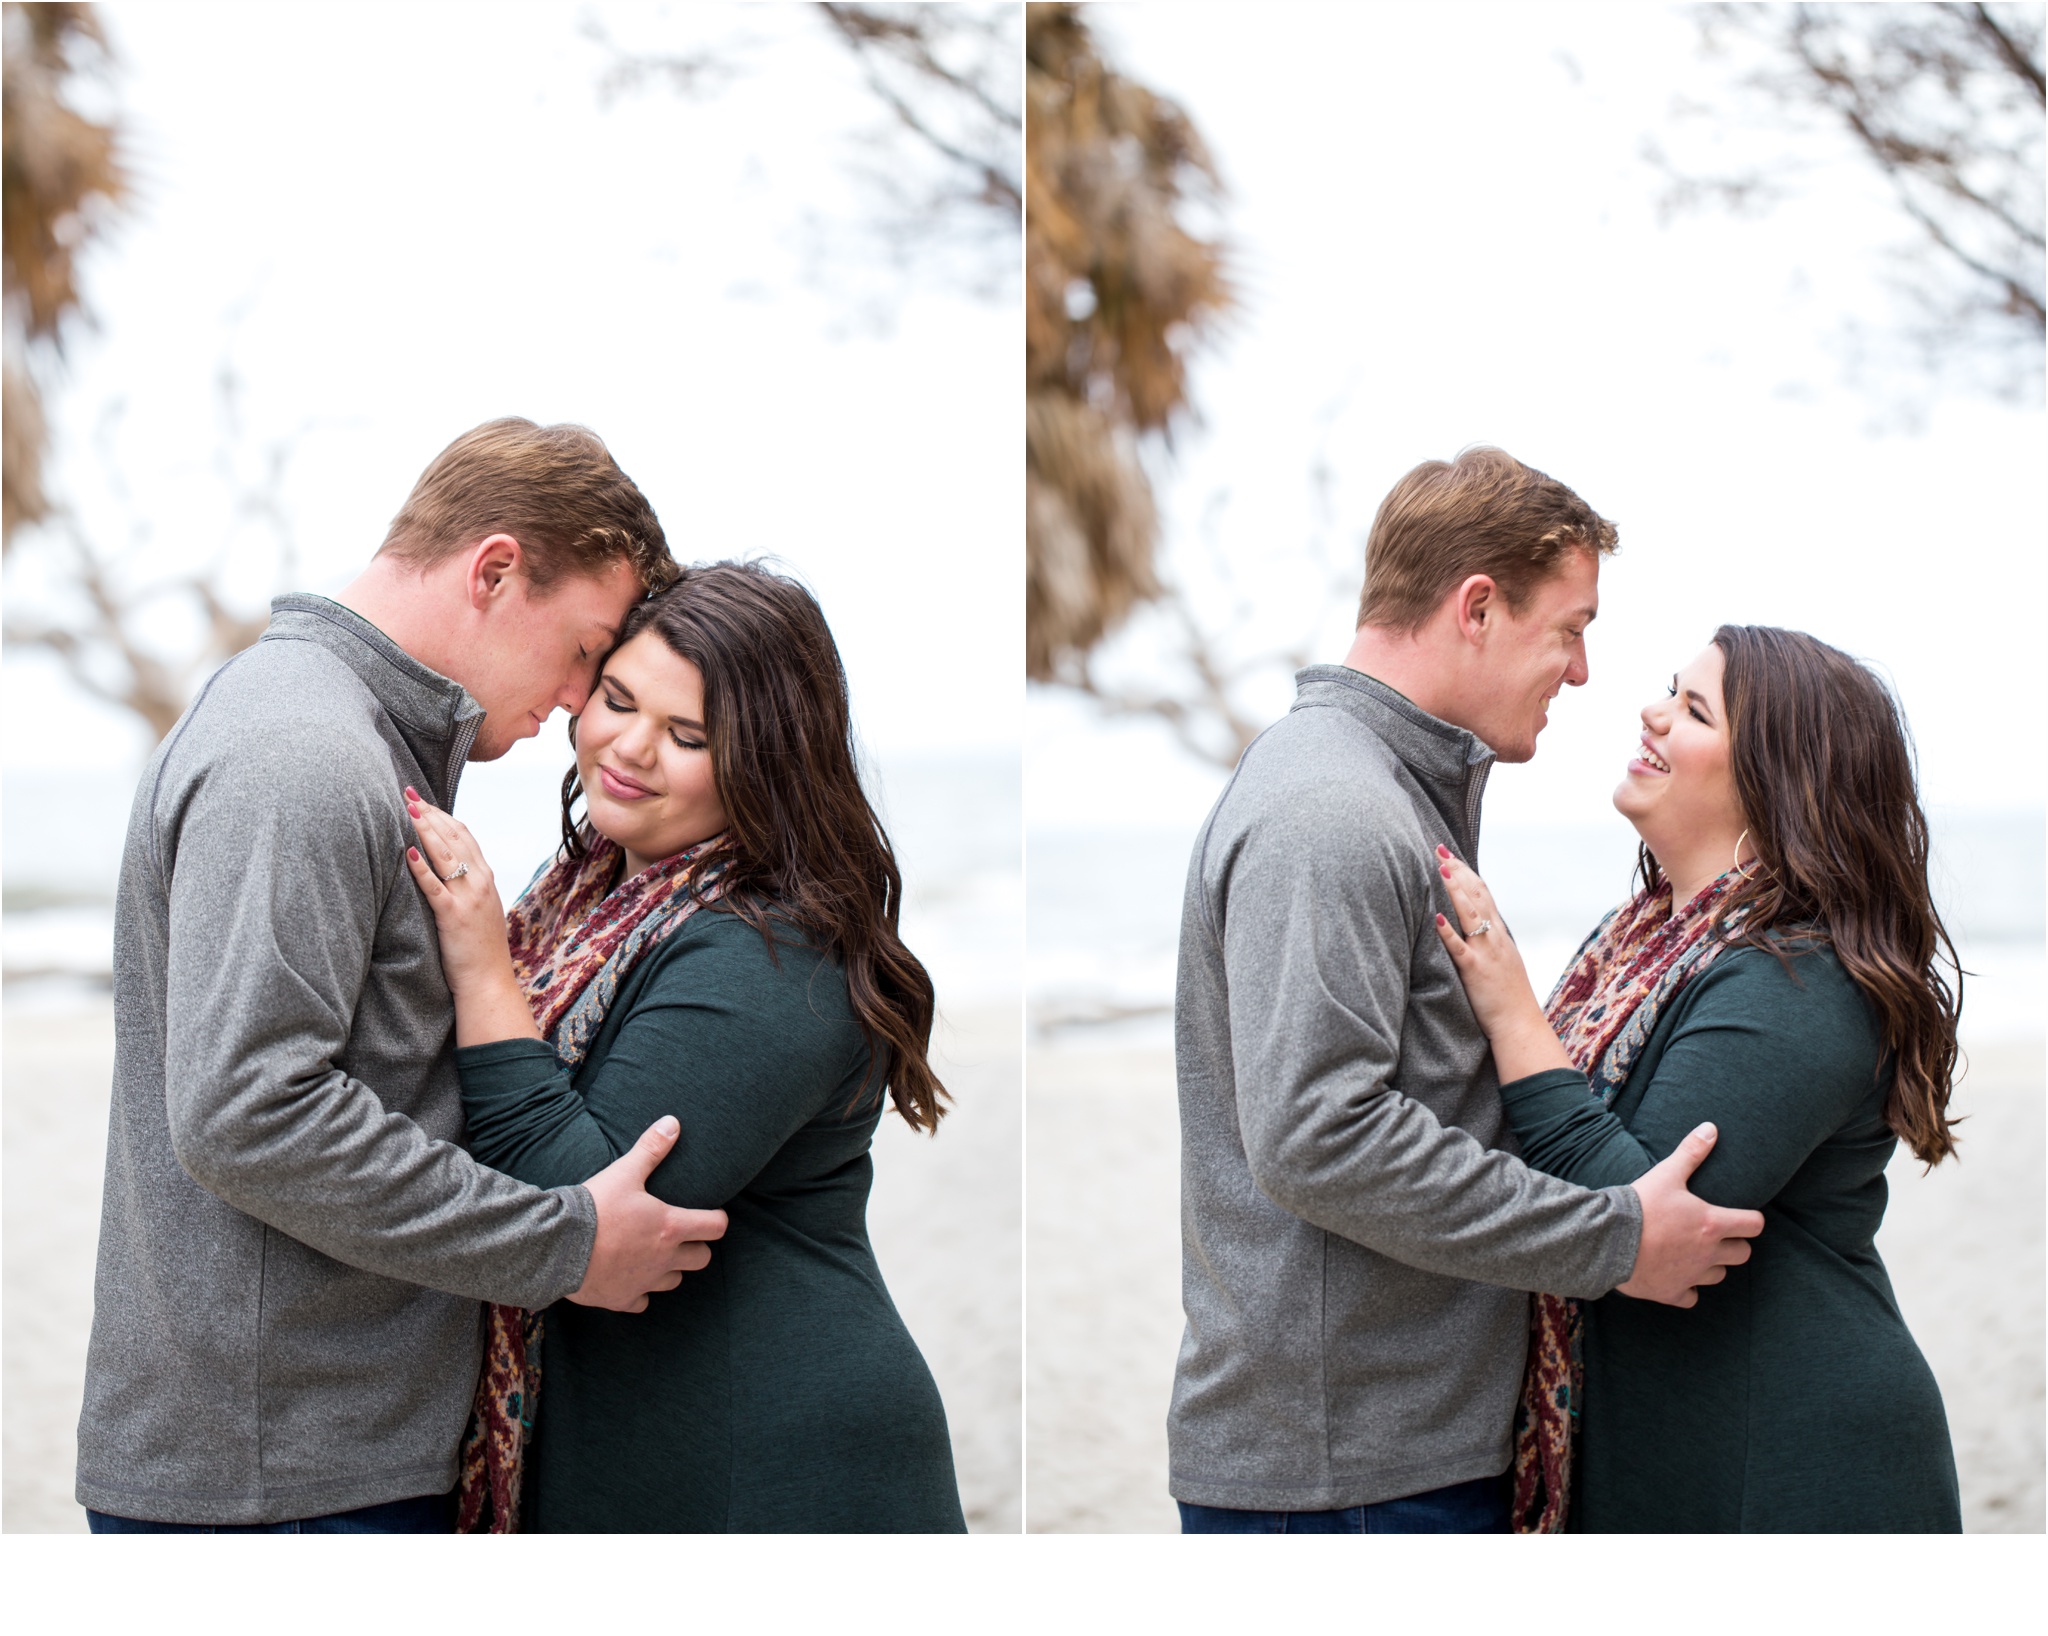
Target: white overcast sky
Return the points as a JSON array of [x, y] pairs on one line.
[[1442, 224], [426, 217]]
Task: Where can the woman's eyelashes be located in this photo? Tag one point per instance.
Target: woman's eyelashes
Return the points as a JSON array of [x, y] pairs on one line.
[[1691, 710], [674, 737]]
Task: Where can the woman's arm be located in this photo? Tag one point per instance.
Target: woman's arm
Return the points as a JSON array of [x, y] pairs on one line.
[[1564, 1130], [731, 1043], [470, 919], [1777, 1063], [1496, 982]]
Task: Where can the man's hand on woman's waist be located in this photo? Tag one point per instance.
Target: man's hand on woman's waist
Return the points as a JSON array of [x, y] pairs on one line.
[[642, 1244], [1686, 1241]]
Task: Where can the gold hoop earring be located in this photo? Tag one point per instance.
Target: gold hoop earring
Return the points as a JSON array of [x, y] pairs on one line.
[[1740, 872]]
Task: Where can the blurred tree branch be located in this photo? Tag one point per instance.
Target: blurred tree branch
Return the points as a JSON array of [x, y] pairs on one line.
[[96, 609], [1198, 670], [943, 182], [104, 616], [902, 50], [951, 196], [1946, 103]]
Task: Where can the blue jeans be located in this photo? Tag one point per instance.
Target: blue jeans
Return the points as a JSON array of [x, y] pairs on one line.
[[1478, 1507], [428, 1514]]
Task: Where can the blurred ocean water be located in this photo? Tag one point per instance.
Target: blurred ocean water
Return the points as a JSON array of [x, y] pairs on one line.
[[1104, 917], [953, 818]]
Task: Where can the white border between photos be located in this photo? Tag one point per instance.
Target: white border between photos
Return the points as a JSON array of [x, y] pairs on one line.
[[1125, 1584]]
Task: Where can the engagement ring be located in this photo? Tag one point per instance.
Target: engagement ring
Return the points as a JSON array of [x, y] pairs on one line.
[[459, 869], [1481, 929]]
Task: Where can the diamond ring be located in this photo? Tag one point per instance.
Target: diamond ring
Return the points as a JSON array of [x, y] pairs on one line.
[[1481, 929]]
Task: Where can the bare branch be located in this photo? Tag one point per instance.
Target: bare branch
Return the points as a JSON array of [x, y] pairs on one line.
[[690, 75], [943, 190], [1945, 102], [105, 598], [2010, 49], [862, 25], [868, 34], [1199, 690]]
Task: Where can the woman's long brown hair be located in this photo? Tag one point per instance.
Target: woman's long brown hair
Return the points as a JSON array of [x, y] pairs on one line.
[[806, 846], [1823, 768]]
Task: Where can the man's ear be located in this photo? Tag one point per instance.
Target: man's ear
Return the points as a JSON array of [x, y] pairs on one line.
[[1477, 603], [494, 562]]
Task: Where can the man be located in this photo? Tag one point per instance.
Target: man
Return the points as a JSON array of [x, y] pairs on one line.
[[286, 1331], [1358, 1236]]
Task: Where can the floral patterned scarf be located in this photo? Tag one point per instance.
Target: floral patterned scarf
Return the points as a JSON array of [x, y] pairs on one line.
[[574, 937], [1603, 1010]]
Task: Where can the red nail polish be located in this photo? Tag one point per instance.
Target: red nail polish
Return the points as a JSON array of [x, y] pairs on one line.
[[1444, 870], [413, 853]]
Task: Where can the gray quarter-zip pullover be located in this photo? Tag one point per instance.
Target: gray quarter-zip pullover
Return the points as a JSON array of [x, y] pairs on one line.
[[293, 1245], [1358, 1237]]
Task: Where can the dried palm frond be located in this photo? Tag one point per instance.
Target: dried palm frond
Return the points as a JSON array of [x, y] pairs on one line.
[[63, 178], [1090, 524], [1118, 292], [23, 439]]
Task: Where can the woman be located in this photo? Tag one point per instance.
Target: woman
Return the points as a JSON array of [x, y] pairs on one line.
[[1774, 977], [716, 941]]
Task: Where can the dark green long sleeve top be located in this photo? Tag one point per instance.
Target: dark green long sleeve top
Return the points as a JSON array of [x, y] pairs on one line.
[[777, 1390], [1791, 1398]]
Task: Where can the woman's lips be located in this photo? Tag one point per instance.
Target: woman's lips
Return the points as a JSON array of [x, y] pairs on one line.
[[619, 787]]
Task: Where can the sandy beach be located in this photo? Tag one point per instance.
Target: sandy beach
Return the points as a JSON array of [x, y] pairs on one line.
[[944, 1219], [1964, 1245]]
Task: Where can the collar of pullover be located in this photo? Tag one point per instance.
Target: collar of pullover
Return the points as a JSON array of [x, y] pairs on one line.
[[1449, 762], [436, 717]]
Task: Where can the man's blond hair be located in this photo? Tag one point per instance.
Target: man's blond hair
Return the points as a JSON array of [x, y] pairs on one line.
[[1482, 513], [554, 489]]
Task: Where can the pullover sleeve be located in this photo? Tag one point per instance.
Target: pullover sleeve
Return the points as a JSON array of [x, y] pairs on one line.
[[1778, 1062], [1320, 947], [277, 862], [744, 1051]]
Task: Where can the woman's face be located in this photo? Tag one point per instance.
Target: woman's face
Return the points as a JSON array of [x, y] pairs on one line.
[[1679, 790], [642, 754]]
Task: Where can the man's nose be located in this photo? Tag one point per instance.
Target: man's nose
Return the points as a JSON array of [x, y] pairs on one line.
[[574, 694]]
